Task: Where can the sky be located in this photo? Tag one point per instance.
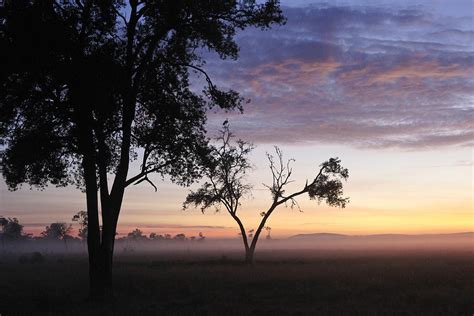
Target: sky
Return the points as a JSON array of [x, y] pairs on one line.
[[387, 86]]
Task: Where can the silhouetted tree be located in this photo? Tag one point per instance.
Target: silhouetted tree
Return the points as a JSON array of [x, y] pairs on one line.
[[58, 231], [81, 218], [136, 235], [226, 187], [180, 237], [201, 236], [269, 230], [12, 230], [86, 86], [250, 233]]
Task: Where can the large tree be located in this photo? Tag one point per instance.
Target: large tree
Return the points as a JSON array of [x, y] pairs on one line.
[[225, 186], [87, 86]]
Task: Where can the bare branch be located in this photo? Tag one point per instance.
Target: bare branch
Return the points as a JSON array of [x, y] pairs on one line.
[[145, 172], [208, 79], [147, 180]]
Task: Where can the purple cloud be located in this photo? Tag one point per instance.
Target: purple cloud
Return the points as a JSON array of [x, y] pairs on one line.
[[363, 76]]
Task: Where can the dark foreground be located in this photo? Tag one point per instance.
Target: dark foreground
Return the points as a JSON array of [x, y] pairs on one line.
[[292, 283]]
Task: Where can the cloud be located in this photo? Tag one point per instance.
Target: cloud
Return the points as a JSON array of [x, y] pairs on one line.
[[464, 163], [167, 226], [145, 225], [358, 75]]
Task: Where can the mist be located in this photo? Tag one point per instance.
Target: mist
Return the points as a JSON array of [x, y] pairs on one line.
[[295, 247]]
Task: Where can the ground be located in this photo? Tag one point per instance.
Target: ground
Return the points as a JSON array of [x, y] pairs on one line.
[[287, 283]]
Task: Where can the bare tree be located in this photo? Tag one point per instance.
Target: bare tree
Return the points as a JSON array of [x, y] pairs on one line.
[[226, 186]]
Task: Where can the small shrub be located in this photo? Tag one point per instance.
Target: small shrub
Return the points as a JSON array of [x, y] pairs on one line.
[[36, 257], [23, 259]]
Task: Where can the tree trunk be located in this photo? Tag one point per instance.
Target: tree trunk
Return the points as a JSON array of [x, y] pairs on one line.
[[93, 241], [101, 248], [102, 270], [95, 286], [249, 256], [107, 248], [93, 237], [99, 244], [106, 257], [243, 234], [250, 251], [100, 275], [101, 257], [84, 120]]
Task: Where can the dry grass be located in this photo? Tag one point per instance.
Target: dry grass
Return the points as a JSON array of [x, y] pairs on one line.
[[293, 283]]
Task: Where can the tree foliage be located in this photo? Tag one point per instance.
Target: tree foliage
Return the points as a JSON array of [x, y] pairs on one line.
[[130, 72], [11, 228], [81, 218], [57, 231], [136, 235]]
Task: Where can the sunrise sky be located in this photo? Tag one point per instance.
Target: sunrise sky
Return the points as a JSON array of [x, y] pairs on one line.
[[386, 86]]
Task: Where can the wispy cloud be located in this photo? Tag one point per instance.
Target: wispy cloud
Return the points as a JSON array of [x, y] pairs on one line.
[[365, 76], [145, 225]]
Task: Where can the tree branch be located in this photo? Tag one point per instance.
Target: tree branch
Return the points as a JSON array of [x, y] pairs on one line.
[[124, 19], [147, 180], [145, 173], [208, 79]]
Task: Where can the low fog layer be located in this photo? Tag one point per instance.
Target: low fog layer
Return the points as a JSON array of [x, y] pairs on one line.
[[296, 246]]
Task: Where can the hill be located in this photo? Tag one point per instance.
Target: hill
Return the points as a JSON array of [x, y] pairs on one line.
[[379, 237]]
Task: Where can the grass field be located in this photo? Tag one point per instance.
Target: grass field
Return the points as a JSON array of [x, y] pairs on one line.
[[287, 283]]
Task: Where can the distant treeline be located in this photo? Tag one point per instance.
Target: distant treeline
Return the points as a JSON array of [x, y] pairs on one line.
[[12, 232], [137, 235]]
